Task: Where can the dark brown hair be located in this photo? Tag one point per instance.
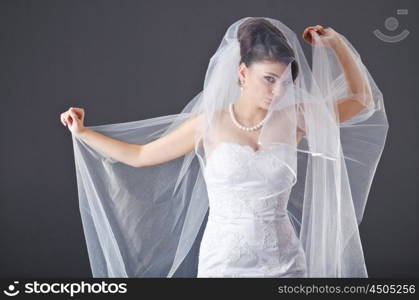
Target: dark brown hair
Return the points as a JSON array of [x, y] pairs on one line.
[[261, 40]]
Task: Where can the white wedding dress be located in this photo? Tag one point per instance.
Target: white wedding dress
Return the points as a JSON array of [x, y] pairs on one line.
[[247, 234]]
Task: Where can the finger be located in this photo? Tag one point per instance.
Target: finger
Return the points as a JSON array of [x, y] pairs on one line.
[[311, 33], [62, 120], [314, 29], [74, 115], [70, 119], [306, 34], [308, 29], [320, 28], [76, 108], [79, 112], [307, 38]]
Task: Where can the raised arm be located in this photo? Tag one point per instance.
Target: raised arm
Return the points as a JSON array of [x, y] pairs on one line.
[[358, 85], [360, 95]]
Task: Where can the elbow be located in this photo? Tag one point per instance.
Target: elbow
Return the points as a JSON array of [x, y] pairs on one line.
[[357, 101], [370, 101], [365, 96], [367, 101]]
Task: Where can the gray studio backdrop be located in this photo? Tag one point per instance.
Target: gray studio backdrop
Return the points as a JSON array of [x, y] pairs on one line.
[[130, 60]]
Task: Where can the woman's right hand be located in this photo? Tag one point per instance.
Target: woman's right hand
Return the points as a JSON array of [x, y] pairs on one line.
[[73, 118]]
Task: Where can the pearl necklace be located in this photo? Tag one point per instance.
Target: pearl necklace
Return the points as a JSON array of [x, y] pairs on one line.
[[257, 126]]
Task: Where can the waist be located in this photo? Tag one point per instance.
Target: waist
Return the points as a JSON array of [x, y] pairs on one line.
[[231, 217], [241, 206]]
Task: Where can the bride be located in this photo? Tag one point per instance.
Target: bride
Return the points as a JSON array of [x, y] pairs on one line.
[[285, 156]]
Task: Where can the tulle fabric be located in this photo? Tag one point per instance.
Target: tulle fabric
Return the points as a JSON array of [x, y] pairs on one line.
[[143, 222]]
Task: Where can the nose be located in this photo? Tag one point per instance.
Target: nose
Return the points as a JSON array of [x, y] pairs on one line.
[[276, 90]]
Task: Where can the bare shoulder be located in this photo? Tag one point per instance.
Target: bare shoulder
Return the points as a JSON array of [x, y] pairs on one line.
[[197, 118]]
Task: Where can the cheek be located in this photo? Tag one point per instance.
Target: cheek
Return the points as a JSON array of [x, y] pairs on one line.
[[261, 86], [278, 89], [253, 87]]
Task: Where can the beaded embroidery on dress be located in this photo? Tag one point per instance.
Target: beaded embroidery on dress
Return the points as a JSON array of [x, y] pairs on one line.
[[248, 235]]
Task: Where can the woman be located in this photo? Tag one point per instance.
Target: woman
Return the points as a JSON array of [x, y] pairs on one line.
[[285, 162]]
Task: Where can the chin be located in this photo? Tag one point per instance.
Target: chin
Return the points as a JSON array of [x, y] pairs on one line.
[[267, 103], [264, 106]]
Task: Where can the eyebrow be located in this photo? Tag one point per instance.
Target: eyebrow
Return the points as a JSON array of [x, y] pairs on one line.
[[273, 74]]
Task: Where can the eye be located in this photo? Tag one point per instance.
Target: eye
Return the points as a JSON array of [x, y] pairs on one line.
[[270, 79], [286, 82]]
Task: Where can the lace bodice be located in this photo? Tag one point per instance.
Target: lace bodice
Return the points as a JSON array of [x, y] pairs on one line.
[[248, 231], [242, 181]]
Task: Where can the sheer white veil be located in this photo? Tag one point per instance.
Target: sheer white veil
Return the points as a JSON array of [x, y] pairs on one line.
[[143, 222]]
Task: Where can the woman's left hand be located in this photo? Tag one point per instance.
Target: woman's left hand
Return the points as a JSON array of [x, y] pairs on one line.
[[328, 36]]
